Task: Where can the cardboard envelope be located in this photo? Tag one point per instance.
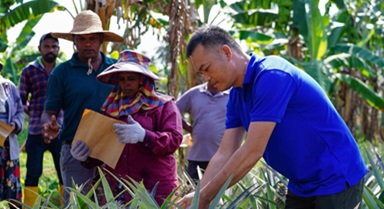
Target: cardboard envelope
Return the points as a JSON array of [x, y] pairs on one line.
[[5, 130], [97, 131]]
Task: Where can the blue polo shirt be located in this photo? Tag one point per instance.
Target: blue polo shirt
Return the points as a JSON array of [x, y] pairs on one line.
[[71, 89], [311, 145]]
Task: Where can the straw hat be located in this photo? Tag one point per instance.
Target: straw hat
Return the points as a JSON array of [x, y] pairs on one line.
[[129, 61], [87, 22]]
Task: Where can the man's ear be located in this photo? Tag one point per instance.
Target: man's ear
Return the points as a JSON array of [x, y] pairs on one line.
[[227, 51]]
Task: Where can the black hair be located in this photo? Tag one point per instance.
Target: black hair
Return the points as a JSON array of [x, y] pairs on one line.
[[211, 36]]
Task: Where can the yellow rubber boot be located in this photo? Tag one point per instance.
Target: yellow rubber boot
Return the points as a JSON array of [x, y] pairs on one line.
[[60, 188], [30, 195]]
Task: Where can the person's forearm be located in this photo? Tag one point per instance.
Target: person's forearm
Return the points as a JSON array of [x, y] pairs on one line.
[[214, 166], [231, 141], [187, 126], [26, 109], [239, 165], [242, 160], [46, 116]]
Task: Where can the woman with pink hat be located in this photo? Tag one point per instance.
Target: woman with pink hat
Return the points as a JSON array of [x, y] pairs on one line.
[[153, 129]]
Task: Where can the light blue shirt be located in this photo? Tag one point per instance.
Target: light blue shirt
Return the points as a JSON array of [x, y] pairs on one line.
[[208, 115]]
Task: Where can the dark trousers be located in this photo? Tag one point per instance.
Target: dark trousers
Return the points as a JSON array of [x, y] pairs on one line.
[[73, 171], [35, 148], [192, 168], [350, 198]]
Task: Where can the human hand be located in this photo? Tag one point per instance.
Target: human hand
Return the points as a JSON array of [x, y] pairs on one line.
[[80, 151], [186, 201], [130, 133], [50, 130], [13, 125]]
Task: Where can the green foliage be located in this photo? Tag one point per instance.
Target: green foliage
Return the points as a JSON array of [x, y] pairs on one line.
[[373, 195], [30, 11], [26, 11], [261, 188], [48, 182], [16, 55], [348, 39], [362, 89]]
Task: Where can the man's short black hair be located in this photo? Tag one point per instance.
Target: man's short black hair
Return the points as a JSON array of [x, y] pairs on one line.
[[47, 36], [211, 36]]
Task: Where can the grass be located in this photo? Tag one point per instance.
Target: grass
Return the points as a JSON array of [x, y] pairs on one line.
[[259, 189], [48, 181]]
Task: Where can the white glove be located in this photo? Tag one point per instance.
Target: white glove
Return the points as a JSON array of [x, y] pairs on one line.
[[80, 151], [130, 133]]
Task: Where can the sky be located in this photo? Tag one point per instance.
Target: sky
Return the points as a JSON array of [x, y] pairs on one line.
[[61, 21], [58, 21]]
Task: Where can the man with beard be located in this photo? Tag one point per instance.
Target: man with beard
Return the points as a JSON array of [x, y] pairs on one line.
[[33, 85]]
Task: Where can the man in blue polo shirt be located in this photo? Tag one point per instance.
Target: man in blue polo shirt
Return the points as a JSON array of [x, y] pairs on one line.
[[289, 121]]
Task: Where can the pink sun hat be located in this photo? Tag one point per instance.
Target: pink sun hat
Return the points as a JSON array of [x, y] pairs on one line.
[[129, 61]]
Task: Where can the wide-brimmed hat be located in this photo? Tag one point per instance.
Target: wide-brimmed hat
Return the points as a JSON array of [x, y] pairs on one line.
[[129, 61], [88, 22]]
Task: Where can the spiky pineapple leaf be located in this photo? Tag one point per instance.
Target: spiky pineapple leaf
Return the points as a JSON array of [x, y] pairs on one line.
[[77, 195], [218, 196], [108, 194]]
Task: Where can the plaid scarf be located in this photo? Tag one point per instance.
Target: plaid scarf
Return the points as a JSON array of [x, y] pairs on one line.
[[117, 105]]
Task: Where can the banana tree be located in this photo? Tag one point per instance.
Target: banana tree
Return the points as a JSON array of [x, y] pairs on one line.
[[171, 21], [28, 11], [354, 66], [15, 57]]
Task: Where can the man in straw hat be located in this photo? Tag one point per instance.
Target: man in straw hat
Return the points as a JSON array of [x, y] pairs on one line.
[[72, 86]]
